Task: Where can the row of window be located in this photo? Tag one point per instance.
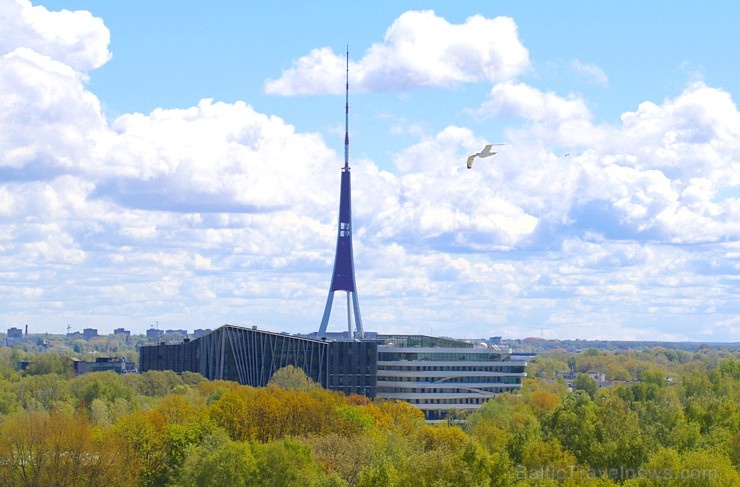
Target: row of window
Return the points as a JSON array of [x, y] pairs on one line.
[[414, 390], [453, 368], [452, 380], [440, 356], [467, 400]]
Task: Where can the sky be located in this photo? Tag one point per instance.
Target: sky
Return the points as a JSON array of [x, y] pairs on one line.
[[177, 165]]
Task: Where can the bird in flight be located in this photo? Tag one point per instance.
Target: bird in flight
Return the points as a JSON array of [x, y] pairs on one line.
[[486, 152]]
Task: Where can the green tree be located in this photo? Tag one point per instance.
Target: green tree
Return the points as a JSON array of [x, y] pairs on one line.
[[294, 378], [573, 424], [50, 363], [669, 468], [218, 460], [619, 441], [286, 463], [149, 461], [106, 386], [155, 383], [583, 382]]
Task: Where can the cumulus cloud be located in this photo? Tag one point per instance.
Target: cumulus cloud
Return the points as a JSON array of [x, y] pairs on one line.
[[47, 118], [419, 50], [217, 156], [219, 213], [77, 39]]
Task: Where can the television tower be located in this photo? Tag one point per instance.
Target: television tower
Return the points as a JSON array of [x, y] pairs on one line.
[[343, 275]]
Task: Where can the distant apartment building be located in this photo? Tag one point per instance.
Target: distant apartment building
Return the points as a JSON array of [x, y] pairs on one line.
[[121, 332], [154, 335], [89, 333], [200, 332]]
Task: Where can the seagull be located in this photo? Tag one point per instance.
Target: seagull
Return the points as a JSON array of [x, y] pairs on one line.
[[486, 152]]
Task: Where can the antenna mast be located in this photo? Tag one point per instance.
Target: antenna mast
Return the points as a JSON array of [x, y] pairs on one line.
[[346, 116]]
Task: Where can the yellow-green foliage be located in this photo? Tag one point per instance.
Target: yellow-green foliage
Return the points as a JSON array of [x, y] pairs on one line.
[[165, 429]]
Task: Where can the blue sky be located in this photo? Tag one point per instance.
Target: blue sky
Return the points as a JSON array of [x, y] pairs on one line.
[[178, 163]]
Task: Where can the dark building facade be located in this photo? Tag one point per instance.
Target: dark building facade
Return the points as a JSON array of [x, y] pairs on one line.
[[102, 364], [15, 333], [250, 356]]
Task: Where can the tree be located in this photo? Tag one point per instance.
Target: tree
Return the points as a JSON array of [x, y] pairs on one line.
[[50, 363], [149, 461], [543, 402], [219, 461], [669, 468], [548, 455], [58, 449], [573, 423], [586, 383], [106, 386], [348, 456], [287, 463], [619, 441], [290, 377], [155, 383]]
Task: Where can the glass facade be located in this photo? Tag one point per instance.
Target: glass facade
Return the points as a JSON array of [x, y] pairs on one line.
[[439, 380]]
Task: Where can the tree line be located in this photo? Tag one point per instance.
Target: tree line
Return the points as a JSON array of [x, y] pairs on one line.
[[676, 421]]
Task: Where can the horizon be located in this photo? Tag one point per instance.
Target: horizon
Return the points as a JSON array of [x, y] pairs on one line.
[[180, 164], [306, 334]]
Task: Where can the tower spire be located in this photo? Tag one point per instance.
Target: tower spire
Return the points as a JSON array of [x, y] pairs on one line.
[[346, 116], [343, 275]]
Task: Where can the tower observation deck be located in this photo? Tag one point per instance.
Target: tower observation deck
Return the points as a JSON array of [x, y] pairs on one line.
[[343, 275]]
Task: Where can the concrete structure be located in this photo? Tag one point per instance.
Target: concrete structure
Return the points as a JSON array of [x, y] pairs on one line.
[[343, 275]]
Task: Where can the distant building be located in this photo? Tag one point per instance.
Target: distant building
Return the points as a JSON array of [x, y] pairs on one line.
[[121, 332], [15, 333], [88, 333], [200, 332], [153, 334], [101, 364]]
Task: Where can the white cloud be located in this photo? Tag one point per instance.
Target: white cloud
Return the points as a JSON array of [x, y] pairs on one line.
[[591, 70], [216, 155], [420, 50], [219, 213], [77, 39], [46, 115]]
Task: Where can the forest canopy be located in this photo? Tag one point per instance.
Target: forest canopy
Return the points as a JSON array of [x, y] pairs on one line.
[[668, 417]]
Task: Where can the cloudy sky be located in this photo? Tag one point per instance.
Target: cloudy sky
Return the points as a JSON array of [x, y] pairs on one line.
[[177, 164]]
